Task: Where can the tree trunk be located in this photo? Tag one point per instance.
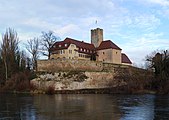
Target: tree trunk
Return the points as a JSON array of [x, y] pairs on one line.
[[6, 70]]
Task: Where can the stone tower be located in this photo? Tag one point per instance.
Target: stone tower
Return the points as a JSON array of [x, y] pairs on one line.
[[96, 36]]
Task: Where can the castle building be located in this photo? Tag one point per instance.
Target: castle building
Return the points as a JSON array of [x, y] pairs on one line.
[[98, 50]]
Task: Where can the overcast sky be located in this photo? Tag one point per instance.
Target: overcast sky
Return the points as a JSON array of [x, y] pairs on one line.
[[137, 26]]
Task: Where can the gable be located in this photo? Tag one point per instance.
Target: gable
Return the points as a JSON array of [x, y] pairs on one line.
[[108, 44]]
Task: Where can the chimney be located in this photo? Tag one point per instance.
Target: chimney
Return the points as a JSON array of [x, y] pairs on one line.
[[96, 36]]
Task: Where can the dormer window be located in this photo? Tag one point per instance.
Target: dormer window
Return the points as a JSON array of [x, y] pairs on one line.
[[60, 45], [65, 45], [84, 50], [81, 49]]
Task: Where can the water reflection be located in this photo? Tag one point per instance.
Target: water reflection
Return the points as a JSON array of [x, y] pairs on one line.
[[161, 108], [75, 107], [14, 107], [136, 107], [84, 107]]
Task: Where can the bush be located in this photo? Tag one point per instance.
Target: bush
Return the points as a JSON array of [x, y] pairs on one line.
[[19, 82], [32, 87], [50, 90], [23, 86]]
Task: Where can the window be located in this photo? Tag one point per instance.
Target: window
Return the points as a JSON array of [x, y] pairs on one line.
[[63, 51], [103, 52], [60, 45], [70, 51], [84, 50], [65, 45], [116, 52], [81, 49]]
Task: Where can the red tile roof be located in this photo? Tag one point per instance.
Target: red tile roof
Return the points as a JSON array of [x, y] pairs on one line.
[[125, 59], [55, 46], [107, 44], [80, 44]]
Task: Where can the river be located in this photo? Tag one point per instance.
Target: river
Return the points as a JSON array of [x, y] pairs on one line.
[[83, 107]]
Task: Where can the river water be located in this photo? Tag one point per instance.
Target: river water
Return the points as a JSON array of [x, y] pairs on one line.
[[83, 107]]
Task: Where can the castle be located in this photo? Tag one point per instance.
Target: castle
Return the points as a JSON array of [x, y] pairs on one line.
[[98, 50]]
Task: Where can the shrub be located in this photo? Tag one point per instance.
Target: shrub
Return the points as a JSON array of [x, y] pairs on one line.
[[32, 87], [50, 90], [23, 86]]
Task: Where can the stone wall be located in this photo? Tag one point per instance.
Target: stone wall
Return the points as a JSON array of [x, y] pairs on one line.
[[80, 74], [69, 65], [78, 80], [76, 65]]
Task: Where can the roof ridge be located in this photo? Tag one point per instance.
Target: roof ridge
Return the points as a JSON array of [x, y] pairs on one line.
[[78, 41]]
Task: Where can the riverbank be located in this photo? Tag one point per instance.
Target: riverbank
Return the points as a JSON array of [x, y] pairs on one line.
[[82, 91]]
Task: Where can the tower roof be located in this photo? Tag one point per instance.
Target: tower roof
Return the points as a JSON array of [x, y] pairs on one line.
[[108, 44], [125, 59]]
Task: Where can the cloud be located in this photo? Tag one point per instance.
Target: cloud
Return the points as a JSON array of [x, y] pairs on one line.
[[147, 21], [67, 30], [139, 47], [160, 2], [39, 23]]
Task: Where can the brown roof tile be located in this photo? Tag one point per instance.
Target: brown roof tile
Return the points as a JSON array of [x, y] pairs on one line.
[[80, 44], [108, 44], [125, 59]]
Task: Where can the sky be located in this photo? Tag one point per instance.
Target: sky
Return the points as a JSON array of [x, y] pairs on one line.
[[137, 26]]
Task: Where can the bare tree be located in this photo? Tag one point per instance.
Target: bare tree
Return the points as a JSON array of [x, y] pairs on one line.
[[159, 61], [32, 47], [47, 40], [9, 48], [149, 59], [2, 80], [22, 60]]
